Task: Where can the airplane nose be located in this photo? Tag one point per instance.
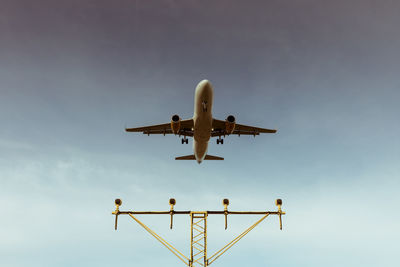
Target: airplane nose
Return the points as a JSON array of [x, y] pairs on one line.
[[204, 86], [204, 82]]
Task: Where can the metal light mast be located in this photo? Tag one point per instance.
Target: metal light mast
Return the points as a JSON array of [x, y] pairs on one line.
[[198, 229]]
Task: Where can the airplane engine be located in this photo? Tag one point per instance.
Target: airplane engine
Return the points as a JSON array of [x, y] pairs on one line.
[[175, 124], [230, 124]]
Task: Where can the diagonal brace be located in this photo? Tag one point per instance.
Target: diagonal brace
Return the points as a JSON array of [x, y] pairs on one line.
[[234, 241], [162, 241]]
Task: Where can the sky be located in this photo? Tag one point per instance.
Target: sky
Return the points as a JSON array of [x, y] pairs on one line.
[[324, 73]]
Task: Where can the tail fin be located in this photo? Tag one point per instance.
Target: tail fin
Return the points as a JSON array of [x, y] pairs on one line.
[[192, 157]]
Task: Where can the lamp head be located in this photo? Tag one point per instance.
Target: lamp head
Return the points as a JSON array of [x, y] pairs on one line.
[[225, 202], [172, 201], [118, 202], [278, 202]]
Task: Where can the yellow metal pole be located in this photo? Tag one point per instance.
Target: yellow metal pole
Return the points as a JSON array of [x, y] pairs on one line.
[[198, 230], [198, 238]]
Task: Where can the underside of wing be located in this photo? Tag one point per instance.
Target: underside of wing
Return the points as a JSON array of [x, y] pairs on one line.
[[221, 127], [185, 128], [251, 130]]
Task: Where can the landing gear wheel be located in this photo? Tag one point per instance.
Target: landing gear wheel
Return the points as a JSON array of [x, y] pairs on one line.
[[222, 141], [185, 140]]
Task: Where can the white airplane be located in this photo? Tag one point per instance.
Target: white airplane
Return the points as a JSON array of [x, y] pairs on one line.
[[202, 126]]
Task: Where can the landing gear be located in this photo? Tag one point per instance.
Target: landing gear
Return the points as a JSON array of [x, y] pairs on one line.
[[220, 141], [204, 104], [185, 140]]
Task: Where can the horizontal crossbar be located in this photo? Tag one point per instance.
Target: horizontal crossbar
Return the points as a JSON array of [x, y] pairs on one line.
[[209, 212]]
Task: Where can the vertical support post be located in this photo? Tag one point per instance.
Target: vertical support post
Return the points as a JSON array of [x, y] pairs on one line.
[[172, 203], [118, 202], [278, 202], [225, 202], [198, 239]]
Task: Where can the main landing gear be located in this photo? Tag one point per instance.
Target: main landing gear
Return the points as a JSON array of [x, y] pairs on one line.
[[220, 141], [185, 141]]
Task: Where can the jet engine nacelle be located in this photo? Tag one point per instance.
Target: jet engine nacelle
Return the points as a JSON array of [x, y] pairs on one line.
[[230, 123], [175, 124]]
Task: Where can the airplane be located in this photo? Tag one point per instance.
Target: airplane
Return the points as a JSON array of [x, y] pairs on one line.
[[202, 126]]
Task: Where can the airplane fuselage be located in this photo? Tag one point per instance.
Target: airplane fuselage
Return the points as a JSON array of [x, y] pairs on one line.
[[202, 126], [202, 119]]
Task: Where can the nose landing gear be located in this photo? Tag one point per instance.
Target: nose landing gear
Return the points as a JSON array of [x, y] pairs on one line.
[[185, 141], [220, 141], [204, 104]]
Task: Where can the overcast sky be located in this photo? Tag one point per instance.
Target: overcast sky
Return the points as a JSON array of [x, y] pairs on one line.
[[74, 73]]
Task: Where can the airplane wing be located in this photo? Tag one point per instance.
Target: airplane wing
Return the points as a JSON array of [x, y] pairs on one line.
[[240, 129], [185, 129]]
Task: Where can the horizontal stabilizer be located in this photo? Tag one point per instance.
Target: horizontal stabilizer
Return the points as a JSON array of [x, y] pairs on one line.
[[188, 157], [209, 157], [192, 157]]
